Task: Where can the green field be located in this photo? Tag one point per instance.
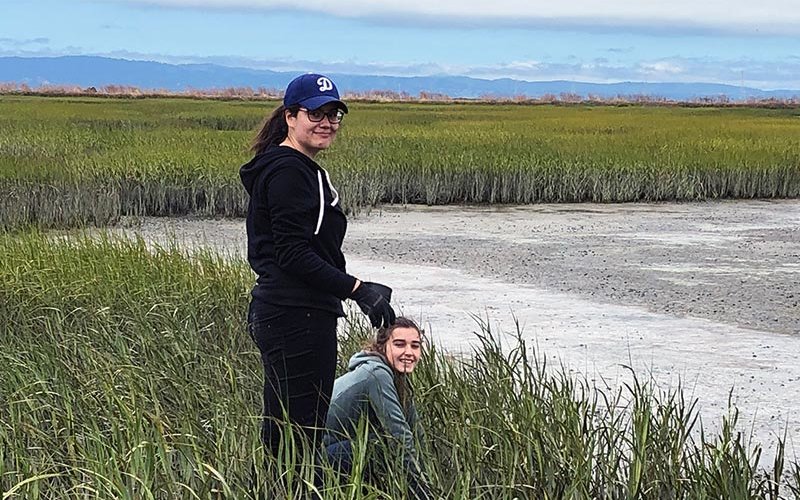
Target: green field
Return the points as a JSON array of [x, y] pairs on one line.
[[126, 373], [75, 161]]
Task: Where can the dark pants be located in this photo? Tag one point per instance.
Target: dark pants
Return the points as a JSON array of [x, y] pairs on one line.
[[340, 455], [298, 350]]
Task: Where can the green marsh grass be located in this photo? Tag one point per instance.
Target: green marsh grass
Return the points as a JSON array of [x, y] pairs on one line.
[[74, 161], [126, 372]]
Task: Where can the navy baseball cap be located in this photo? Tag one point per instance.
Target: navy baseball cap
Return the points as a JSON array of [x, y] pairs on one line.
[[312, 91]]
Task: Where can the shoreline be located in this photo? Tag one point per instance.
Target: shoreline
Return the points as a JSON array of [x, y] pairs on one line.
[[700, 294]]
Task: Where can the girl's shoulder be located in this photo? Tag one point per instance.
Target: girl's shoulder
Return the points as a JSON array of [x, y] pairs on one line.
[[370, 366]]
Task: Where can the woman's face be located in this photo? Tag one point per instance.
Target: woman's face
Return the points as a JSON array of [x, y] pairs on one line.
[[403, 349], [311, 137]]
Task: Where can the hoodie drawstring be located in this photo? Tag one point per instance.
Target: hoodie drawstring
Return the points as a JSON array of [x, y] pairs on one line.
[[321, 202], [333, 189], [322, 197]]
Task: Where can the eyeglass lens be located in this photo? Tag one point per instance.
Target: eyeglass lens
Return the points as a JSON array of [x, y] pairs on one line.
[[334, 115]]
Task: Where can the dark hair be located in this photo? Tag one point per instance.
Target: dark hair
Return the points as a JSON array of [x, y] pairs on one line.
[[378, 344], [274, 129], [405, 392]]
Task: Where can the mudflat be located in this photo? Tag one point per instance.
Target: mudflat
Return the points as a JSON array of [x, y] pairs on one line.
[[731, 261], [701, 294]]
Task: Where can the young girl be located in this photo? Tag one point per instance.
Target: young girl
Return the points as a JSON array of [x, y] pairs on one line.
[[376, 388]]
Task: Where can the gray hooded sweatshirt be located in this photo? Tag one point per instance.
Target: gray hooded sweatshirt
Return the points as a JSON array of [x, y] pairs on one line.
[[367, 389]]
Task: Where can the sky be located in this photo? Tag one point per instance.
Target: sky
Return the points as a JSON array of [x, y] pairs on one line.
[[755, 43]]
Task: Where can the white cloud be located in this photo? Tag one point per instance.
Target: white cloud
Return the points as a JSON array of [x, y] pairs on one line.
[[765, 17], [661, 68], [759, 74], [763, 74]]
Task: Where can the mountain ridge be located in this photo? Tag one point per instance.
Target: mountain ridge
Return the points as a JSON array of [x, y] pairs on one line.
[[97, 71]]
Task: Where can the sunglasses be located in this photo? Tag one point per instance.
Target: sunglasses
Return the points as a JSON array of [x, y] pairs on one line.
[[316, 115]]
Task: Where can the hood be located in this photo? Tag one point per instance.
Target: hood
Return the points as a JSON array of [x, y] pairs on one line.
[[250, 171], [367, 358]]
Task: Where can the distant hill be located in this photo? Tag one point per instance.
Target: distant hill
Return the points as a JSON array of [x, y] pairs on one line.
[[91, 71]]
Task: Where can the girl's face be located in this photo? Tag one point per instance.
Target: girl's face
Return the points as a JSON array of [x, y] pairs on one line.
[[403, 349], [310, 137]]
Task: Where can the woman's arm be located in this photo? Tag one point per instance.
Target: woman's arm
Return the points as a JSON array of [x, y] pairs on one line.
[[292, 204]]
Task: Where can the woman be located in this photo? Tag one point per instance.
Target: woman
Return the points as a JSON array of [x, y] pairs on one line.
[[295, 229], [376, 389]]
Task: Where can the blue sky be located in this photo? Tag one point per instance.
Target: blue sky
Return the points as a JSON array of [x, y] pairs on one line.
[[724, 41]]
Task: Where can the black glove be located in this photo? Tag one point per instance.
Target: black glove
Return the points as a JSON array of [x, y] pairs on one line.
[[373, 299]]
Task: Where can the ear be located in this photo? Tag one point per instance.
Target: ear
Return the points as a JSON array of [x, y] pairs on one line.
[[291, 120]]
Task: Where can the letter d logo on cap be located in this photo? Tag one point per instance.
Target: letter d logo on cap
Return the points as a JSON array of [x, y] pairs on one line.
[[324, 84]]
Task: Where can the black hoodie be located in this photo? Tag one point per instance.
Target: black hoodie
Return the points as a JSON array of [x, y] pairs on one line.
[[295, 229]]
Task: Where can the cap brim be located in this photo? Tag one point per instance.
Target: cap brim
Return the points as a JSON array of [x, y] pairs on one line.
[[313, 103]]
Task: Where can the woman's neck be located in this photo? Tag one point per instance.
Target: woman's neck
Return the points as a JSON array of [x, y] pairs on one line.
[[290, 143]]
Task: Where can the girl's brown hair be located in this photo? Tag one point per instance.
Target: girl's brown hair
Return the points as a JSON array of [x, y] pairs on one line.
[[274, 129], [378, 345]]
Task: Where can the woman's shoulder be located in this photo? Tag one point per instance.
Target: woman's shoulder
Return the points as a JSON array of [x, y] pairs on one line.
[[281, 165], [277, 157]]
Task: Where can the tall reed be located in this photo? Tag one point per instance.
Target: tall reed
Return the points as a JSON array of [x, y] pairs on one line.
[[126, 372], [73, 161]]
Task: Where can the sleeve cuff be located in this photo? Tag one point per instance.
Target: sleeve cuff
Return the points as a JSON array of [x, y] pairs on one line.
[[346, 287]]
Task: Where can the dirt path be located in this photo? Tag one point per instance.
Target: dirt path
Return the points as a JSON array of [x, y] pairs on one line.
[[706, 293]]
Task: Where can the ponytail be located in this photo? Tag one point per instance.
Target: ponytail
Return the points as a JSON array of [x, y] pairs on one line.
[[274, 129]]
